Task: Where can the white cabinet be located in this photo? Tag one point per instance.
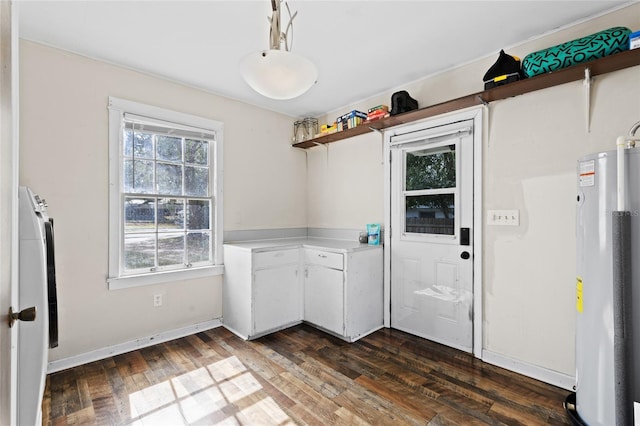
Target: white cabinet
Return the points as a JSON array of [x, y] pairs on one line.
[[276, 298], [343, 291], [265, 289], [324, 297], [262, 291]]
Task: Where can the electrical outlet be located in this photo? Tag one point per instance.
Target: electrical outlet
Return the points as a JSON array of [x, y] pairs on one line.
[[503, 217], [157, 300]]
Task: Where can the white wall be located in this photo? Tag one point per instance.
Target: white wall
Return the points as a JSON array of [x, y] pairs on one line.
[[534, 141], [530, 165], [345, 183], [64, 157]]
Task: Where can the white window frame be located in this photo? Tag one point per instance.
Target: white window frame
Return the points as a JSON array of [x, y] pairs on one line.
[[117, 110], [455, 191]]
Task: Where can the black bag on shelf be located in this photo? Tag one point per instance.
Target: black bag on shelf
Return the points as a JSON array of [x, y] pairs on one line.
[[505, 70], [402, 102]]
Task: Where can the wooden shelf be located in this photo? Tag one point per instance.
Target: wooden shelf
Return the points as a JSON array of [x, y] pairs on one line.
[[627, 59]]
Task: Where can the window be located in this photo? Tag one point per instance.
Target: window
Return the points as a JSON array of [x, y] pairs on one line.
[[165, 179], [430, 188]]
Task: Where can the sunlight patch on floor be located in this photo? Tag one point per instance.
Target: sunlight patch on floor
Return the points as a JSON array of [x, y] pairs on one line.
[[151, 398], [195, 395], [240, 387], [264, 409]]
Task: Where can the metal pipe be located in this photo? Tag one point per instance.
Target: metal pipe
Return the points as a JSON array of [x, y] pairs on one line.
[[634, 129], [621, 169], [621, 146], [622, 318]]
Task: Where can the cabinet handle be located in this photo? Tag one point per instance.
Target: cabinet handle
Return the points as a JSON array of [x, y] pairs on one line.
[[324, 256]]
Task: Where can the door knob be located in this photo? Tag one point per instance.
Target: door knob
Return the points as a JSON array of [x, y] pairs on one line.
[[28, 314], [465, 255]]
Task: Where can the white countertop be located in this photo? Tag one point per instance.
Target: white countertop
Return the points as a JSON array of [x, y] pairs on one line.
[[327, 244]]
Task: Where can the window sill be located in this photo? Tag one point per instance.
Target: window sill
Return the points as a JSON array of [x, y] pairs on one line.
[[118, 283]]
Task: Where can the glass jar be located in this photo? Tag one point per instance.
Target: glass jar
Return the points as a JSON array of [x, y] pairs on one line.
[[299, 132], [311, 127]]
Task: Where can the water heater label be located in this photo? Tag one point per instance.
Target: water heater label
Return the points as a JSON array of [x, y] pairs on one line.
[[579, 304], [587, 173]]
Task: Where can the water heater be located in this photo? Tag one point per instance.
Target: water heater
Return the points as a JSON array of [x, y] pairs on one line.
[[597, 200]]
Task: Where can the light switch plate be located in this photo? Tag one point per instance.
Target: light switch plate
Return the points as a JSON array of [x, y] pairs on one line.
[[503, 217]]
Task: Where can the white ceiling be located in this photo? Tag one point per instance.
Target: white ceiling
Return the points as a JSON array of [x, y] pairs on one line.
[[361, 48]]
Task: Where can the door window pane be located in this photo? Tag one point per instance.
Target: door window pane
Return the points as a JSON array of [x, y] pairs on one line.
[[139, 251], [170, 249], [433, 168], [430, 214], [139, 215]]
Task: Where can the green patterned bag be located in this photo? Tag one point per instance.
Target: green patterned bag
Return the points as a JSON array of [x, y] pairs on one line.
[[574, 52]]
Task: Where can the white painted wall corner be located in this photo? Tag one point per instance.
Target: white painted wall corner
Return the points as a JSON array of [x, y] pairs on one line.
[[551, 377]]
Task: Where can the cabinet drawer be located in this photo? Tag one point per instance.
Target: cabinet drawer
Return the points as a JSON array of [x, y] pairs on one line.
[[268, 259], [324, 258]]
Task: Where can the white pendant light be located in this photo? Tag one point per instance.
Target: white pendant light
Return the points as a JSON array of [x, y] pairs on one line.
[[276, 73]]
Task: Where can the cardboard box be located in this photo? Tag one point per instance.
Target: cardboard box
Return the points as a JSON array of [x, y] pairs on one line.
[[634, 40]]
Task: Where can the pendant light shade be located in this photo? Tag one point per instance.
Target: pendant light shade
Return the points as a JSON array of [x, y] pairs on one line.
[[278, 74]]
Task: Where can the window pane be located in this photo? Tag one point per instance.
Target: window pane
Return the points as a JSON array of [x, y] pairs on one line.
[[127, 142], [196, 181], [196, 152], [430, 214], [169, 180], [138, 176], [432, 168], [170, 214], [170, 249], [139, 251], [142, 145], [168, 148], [198, 214], [199, 247], [139, 215]]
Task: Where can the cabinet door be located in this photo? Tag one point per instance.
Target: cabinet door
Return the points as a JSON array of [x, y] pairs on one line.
[[276, 298], [324, 298]]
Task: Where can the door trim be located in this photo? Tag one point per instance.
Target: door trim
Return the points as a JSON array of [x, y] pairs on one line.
[[477, 115]]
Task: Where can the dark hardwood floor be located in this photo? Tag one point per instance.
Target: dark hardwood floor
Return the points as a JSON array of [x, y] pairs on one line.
[[297, 376]]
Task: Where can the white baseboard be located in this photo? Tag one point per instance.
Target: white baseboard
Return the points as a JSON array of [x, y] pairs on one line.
[[98, 354], [555, 378], [234, 331]]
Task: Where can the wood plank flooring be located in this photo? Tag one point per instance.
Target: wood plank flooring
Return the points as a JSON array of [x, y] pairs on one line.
[[298, 376]]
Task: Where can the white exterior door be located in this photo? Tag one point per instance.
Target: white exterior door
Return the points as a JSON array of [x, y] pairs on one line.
[[432, 233]]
